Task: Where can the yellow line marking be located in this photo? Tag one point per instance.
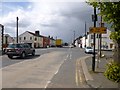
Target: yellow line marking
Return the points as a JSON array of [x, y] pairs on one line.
[[76, 77]]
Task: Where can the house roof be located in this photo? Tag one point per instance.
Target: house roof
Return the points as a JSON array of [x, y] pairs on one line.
[[34, 34], [39, 35]]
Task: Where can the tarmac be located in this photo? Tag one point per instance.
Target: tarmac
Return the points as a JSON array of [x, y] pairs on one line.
[[97, 79]]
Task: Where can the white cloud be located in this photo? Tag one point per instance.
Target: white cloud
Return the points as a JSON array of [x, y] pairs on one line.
[[51, 18]]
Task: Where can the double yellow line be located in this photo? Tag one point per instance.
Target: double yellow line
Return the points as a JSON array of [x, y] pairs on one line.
[[79, 73]]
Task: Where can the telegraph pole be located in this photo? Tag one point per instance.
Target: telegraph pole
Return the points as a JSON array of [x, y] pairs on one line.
[[85, 34], [94, 41], [2, 37], [74, 37], [17, 29]]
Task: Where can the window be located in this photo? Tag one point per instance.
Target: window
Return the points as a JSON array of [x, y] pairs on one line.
[[35, 39], [30, 38], [24, 38], [92, 36], [19, 38]]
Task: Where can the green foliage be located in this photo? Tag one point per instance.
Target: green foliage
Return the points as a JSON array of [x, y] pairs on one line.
[[115, 35], [113, 72], [110, 13]]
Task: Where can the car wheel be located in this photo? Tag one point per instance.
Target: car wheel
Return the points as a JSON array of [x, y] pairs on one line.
[[23, 55], [33, 53], [10, 56]]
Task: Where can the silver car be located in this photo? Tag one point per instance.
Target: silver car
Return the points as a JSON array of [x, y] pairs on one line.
[[89, 50]]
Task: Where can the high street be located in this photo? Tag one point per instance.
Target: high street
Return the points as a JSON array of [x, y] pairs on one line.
[[60, 68], [6, 61]]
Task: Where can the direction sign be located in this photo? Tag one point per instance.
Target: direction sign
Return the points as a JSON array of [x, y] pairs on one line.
[[98, 30]]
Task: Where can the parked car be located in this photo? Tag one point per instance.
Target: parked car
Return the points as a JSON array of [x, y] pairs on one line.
[[89, 50], [71, 46], [19, 49]]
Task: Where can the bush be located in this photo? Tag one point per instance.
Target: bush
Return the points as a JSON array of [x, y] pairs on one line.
[[113, 72]]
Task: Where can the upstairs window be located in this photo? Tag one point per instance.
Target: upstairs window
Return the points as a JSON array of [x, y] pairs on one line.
[[30, 38], [24, 38]]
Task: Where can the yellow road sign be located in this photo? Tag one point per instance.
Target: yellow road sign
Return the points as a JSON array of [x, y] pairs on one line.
[[98, 30]]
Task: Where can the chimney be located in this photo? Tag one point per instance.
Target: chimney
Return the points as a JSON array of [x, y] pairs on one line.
[[37, 33]]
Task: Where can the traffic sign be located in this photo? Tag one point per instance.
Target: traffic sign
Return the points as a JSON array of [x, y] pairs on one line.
[[98, 30]]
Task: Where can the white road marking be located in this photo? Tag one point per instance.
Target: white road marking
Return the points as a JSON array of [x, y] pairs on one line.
[[70, 56], [67, 56], [56, 72], [47, 84]]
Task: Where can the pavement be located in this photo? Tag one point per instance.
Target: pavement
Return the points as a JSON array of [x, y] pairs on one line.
[[97, 79]]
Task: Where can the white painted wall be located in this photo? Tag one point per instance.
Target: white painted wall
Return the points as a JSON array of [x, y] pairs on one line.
[[38, 42], [106, 41]]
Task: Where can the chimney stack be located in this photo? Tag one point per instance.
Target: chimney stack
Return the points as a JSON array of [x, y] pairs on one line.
[[37, 33]]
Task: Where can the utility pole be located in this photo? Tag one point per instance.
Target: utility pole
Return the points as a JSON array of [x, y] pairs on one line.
[[17, 29], [85, 34], [74, 37], [102, 25], [94, 41], [2, 37]]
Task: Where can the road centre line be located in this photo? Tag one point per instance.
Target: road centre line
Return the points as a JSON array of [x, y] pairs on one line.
[[48, 82], [56, 72]]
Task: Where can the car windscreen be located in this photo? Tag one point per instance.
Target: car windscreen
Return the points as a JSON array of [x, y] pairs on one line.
[[14, 46], [89, 48]]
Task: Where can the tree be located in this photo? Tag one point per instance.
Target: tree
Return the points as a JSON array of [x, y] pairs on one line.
[[110, 13]]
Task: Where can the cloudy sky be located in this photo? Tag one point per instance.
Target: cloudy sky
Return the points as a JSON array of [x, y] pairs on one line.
[[55, 18]]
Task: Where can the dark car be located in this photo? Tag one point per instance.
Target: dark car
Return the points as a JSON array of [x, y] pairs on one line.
[[19, 49]]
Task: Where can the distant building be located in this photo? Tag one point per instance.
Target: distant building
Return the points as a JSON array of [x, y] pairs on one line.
[[106, 43], [7, 39], [34, 39], [52, 42]]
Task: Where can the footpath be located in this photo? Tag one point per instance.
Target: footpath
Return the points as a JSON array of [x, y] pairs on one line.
[[99, 80]]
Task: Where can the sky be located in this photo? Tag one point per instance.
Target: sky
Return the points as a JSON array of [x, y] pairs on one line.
[[57, 18]]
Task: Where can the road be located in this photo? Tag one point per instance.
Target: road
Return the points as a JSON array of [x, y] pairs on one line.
[[6, 61], [50, 68]]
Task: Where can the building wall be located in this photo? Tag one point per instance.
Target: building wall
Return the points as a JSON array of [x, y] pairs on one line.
[[107, 43], [7, 39], [52, 42], [35, 41], [46, 41]]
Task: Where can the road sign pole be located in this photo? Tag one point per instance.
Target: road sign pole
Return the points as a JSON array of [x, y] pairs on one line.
[[93, 59]]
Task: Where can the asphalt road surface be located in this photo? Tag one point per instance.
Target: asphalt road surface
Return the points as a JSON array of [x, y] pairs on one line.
[[6, 61], [50, 68]]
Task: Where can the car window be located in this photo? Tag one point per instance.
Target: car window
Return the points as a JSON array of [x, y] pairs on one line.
[[26, 46], [15, 46], [11, 46], [89, 48], [19, 45]]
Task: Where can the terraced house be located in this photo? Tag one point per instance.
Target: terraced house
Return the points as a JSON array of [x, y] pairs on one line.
[[34, 39]]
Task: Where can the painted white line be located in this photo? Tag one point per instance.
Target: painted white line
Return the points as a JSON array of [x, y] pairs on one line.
[[47, 84], [67, 56], [56, 72], [70, 56]]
